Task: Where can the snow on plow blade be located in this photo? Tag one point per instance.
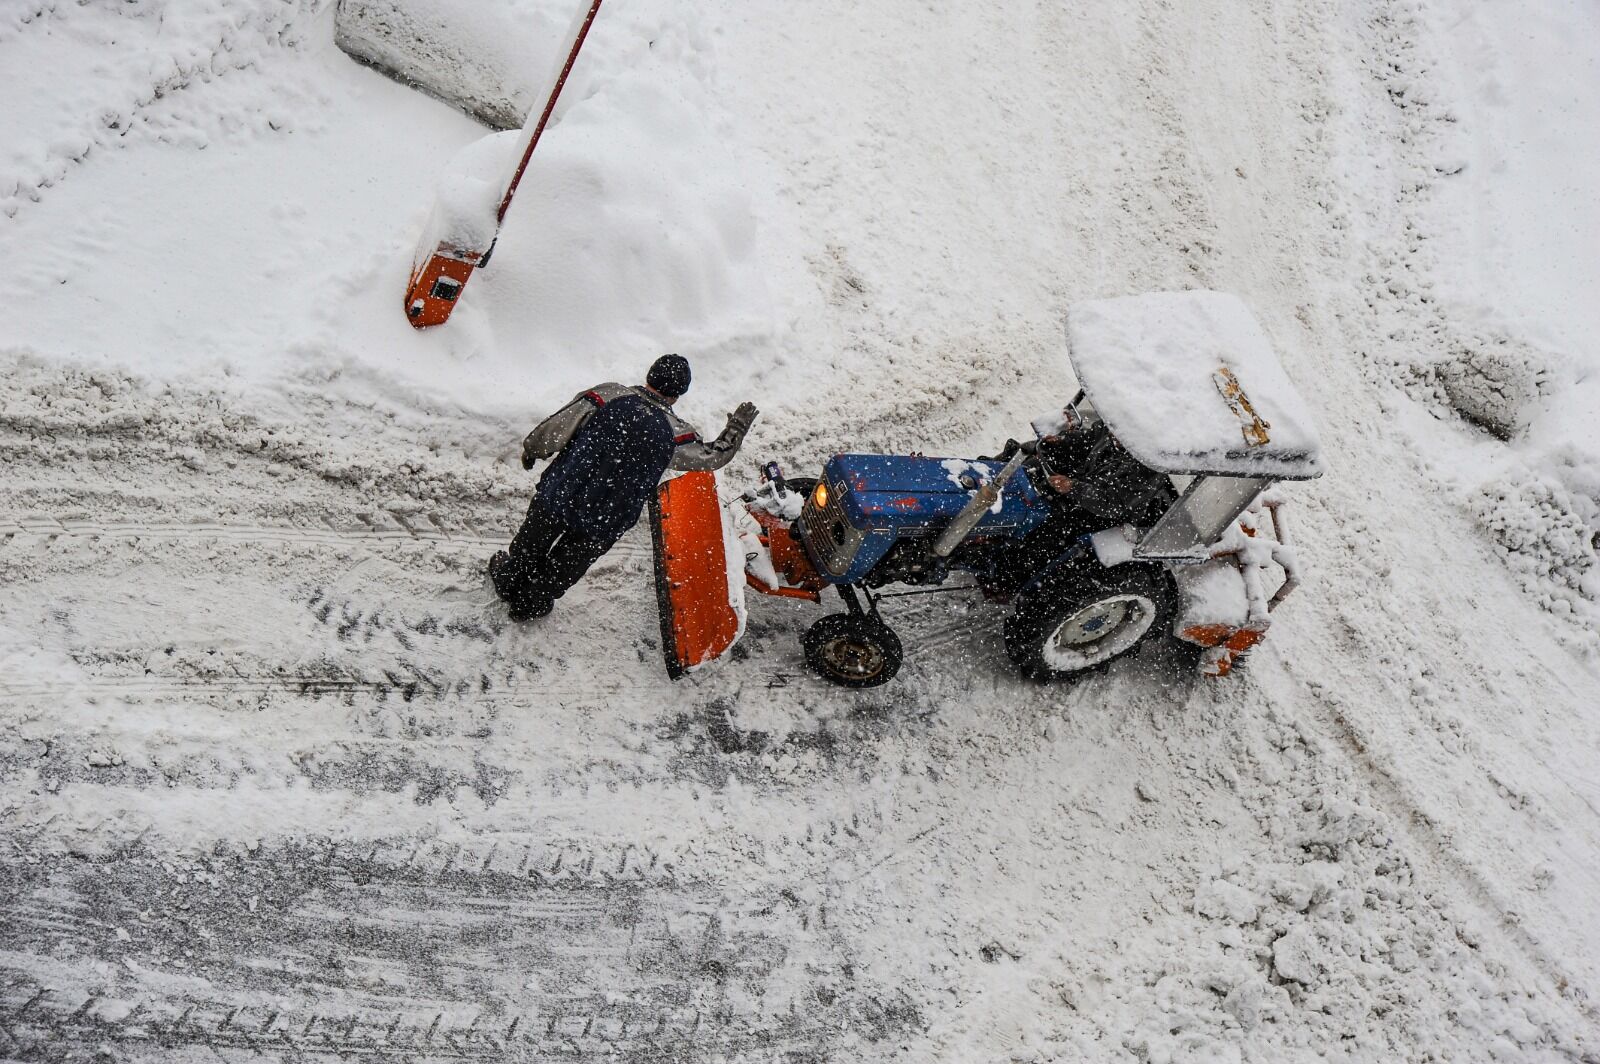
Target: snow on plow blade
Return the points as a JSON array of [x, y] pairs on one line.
[[702, 609]]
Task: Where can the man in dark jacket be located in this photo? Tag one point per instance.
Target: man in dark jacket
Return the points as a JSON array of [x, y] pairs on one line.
[[610, 447]]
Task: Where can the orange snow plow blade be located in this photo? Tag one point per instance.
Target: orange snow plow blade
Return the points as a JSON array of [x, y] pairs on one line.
[[698, 621]]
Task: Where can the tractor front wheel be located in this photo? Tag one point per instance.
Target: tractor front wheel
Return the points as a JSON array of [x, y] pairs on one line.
[[1078, 624], [852, 651]]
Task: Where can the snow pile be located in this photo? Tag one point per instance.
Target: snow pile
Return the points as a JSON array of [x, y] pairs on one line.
[[487, 59], [301, 182], [1489, 249], [631, 234], [1549, 536], [1529, 471], [465, 215], [1496, 387]]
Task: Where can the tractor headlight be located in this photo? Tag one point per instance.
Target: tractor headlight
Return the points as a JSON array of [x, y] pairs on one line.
[[829, 537]]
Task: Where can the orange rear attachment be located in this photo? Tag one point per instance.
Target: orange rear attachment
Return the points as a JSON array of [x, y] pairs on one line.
[[698, 621], [1207, 635], [1224, 605], [1222, 655]]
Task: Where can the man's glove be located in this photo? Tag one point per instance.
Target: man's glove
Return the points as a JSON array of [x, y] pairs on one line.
[[528, 457], [743, 416]]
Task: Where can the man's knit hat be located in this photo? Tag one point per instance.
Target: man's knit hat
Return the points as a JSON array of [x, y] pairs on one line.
[[669, 375]]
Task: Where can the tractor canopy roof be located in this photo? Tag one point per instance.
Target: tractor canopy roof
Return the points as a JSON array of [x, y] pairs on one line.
[[1188, 383]]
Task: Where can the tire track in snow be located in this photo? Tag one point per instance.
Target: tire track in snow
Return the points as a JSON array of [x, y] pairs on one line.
[[52, 529], [1424, 836], [496, 948], [479, 689], [31, 531]]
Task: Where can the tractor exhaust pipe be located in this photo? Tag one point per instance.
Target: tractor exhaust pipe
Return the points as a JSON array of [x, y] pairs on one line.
[[987, 495]]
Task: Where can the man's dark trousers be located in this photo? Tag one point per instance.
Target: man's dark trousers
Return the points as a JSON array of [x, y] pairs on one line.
[[547, 558], [589, 496]]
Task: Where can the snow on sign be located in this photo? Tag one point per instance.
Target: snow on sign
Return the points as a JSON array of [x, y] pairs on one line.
[[464, 224], [1188, 383]]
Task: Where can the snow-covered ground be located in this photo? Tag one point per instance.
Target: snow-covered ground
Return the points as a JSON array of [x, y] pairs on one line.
[[278, 778]]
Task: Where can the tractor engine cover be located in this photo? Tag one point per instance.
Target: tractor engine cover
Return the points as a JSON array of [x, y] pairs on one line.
[[865, 503]]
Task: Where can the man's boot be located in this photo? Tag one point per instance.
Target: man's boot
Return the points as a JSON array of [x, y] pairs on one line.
[[497, 566], [530, 605]]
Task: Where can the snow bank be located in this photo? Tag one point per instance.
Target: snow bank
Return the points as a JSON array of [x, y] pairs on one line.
[[1496, 387], [631, 234], [1511, 222], [486, 59], [1549, 537], [470, 189], [292, 185], [633, 231]]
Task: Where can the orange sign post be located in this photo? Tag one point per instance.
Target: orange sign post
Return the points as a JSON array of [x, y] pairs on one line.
[[442, 268]]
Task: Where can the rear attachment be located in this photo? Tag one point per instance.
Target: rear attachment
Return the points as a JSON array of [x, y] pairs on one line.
[[702, 610], [1224, 606]]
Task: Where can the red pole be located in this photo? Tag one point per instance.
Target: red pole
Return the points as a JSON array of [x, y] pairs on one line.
[[549, 108]]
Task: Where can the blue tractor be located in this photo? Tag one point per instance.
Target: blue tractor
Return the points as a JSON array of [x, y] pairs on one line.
[[1140, 507]]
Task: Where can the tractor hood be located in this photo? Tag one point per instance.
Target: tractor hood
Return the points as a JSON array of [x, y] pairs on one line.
[[1188, 383], [899, 492]]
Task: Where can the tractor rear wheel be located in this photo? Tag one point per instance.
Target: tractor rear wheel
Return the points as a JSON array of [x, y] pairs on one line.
[[1079, 623], [852, 651]]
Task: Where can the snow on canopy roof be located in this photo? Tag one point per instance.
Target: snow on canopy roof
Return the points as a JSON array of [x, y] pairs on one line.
[[1188, 383]]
